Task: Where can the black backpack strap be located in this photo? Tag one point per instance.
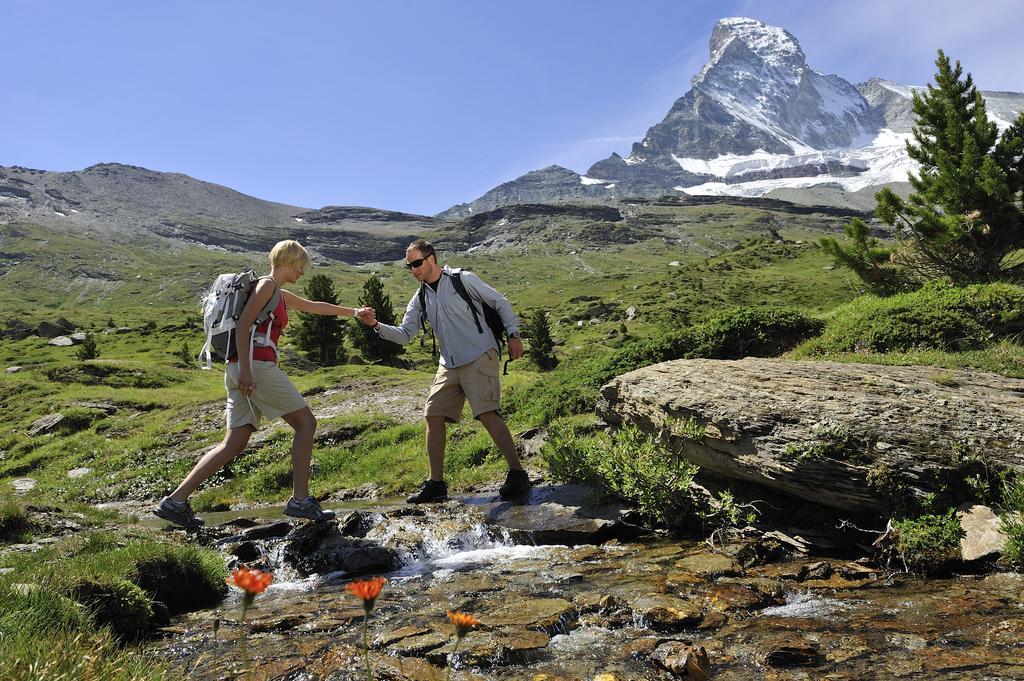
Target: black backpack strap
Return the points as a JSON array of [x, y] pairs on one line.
[[460, 288], [423, 317]]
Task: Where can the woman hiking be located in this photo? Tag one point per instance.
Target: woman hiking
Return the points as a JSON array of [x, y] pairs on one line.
[[258, 388]]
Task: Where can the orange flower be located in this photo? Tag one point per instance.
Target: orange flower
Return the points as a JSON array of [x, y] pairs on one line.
[[250, 581], [367, 589], [463, 622]]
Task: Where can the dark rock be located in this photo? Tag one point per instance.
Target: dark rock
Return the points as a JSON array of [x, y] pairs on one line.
[[246, 552], [793, 653], [16, 330], [50, 330], [819, 570], [270, 531], [319, 548]]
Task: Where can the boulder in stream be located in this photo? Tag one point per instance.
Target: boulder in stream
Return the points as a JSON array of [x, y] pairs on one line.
[[320, 548]]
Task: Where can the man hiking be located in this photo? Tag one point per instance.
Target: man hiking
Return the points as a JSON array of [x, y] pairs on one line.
[[468, 366]]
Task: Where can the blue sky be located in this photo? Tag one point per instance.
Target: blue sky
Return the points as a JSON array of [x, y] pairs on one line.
[[415, 106]]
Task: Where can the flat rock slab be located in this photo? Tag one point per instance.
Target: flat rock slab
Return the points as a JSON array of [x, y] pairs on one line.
[[822, 431], [565, 514], [23, 485]]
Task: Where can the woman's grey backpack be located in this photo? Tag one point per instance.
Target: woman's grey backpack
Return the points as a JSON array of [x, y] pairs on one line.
[[222, 306]]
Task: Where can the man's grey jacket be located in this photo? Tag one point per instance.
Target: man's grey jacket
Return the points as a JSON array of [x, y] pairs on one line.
[[458, 340]]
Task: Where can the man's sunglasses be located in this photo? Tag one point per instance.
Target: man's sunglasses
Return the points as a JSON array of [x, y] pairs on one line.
[[415, 263]]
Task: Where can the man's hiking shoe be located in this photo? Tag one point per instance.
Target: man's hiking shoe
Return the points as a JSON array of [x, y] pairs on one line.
[[309, 508], [179, 513], [431, 490], [516, 482]]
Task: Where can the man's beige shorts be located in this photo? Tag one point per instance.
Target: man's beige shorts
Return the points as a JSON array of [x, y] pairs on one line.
[[273, 396], [476, 381]]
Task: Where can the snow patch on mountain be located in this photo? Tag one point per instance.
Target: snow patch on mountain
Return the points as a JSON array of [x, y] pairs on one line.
[[883, 160]]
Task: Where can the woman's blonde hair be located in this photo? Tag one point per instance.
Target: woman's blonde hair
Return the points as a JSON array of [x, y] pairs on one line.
[[288, 252]]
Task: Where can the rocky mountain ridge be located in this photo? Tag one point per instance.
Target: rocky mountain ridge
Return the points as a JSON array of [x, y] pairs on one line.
[[116, 201]]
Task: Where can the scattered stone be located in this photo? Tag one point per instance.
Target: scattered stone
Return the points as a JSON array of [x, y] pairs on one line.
[[674, 263], [13, 369], [45, 424], [356, 360], [982, 536], [664, 612], [819, 570], [709, 565], [683, 660], [78, 337], [549, 615], [76, 473], [61, 342], [630, 313]]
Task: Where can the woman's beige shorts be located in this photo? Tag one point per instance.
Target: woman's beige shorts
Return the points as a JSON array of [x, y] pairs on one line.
[[476, 382], [273, 396]]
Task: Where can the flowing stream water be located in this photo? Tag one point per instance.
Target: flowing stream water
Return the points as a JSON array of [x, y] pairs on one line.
[[623, 608]]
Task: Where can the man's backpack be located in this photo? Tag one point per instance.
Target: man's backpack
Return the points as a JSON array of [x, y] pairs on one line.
[[491, 316], [222, 306]]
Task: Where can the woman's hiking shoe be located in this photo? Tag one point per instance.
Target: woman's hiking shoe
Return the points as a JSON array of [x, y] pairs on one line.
[[516, 482], [309, 508], [179, 513], [431, 490]]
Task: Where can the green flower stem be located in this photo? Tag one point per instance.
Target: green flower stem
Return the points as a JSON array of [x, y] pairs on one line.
[[455, 652], [366, 647]]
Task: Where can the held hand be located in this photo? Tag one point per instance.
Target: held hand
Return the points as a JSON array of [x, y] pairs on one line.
[[515, 347], [367, 315]]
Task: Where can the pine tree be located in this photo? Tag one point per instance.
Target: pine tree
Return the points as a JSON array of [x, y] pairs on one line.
[[88, 349], [370, 345], [542, 348], [963, 220], [321, 337]]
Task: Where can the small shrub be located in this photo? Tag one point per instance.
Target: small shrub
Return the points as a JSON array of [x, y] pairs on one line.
[[87, 350], [928, 544], [184, 355], [629, 466], [542, 347], [1013, 521], [79, 418], [14, 522], [937, 317]]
